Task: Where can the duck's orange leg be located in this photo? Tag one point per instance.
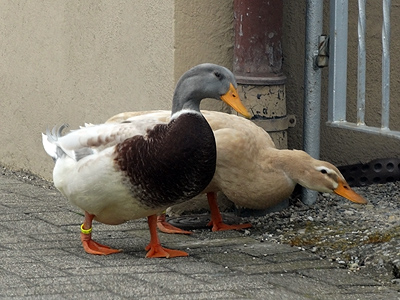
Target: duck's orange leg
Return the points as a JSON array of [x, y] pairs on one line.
[[89, 245], [216, 218], [154, 248], [165, 227]]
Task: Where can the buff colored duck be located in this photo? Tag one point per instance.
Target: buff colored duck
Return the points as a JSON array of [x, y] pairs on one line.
[[122, 171], [251, 171]]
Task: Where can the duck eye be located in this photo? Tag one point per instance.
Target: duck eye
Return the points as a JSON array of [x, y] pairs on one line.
[[217, 74], [323, 171]]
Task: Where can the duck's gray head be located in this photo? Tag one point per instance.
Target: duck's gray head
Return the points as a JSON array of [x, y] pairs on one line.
[[207, 81]]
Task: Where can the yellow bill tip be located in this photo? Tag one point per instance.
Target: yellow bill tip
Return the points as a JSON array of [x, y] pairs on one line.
[[233, 100], [345, 191]]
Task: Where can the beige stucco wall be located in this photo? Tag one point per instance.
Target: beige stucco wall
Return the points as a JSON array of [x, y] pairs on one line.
[[75, 62], [203, 33], [337, 145]]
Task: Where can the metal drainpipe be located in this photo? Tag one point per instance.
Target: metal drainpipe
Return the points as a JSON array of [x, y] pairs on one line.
[[258, 47], [257, 65], [312, 88]]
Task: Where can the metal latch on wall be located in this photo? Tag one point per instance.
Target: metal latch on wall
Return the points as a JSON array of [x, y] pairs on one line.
[[322, 58]]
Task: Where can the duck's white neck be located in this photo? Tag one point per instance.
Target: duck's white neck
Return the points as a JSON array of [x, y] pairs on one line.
[[184, 111]]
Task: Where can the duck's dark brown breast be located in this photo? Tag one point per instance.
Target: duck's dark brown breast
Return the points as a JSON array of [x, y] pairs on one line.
[[174, 162]]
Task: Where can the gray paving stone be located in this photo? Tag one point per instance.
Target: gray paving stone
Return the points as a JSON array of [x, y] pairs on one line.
[[297, 284], [220, 295], [49, 290], [232, 259], [32, 226], [339, 277], [290, 256], [267, 249], [275, 294], [32, 269], [286, 267], [197, 267]]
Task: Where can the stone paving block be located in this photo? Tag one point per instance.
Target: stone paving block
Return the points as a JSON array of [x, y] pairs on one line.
[[127, 285], [297, 284], [233, 259], [193, 242], [182, 283], [14, 200], [42, 245], [368, 289], [364, 296], [276, 294], [59, 218], [9, 281], [68, 262], [7, 183], [12, 260], [8, 236], [285, 267], [236, 281], [81, 271], [9, 215], [266, 249], [49, 290], [54, 251], [85, 295], [92, 295], [26, 209], [29, 270], [64, 236], [123, 259], [291, 256], [40, 297], [227, 295], [339, 277], [197, 267], [32, 226]]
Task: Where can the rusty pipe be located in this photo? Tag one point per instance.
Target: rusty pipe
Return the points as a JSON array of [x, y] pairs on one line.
[[258, 42]]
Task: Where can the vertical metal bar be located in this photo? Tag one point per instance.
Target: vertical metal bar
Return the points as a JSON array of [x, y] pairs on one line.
[[337, 60], [361, 63], [312, 87], [385, 64]]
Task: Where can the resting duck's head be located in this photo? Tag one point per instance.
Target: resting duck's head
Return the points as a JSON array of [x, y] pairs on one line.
[[207, 81], [326, 178]]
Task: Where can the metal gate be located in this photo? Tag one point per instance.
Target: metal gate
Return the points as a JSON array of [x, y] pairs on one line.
[[338, 69], [337, 97]]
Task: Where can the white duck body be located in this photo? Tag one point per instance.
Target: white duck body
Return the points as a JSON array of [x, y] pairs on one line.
[[95, 182]]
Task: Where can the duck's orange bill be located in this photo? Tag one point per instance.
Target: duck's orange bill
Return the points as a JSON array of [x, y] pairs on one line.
[[233, 100], [345, 191]]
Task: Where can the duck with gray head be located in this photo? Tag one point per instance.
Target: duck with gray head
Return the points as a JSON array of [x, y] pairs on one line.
[[123, 171]]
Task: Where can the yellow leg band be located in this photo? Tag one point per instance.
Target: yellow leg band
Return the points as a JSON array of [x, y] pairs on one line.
[[86, 231]]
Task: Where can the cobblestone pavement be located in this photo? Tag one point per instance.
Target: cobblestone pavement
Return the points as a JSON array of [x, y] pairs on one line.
[[41, 257]]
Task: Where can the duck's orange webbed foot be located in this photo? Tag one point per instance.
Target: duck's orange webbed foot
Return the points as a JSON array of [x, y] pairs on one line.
[[219, 226], [154, 248], [165, 227], [216, 218], [93, 247], [88, 244]]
